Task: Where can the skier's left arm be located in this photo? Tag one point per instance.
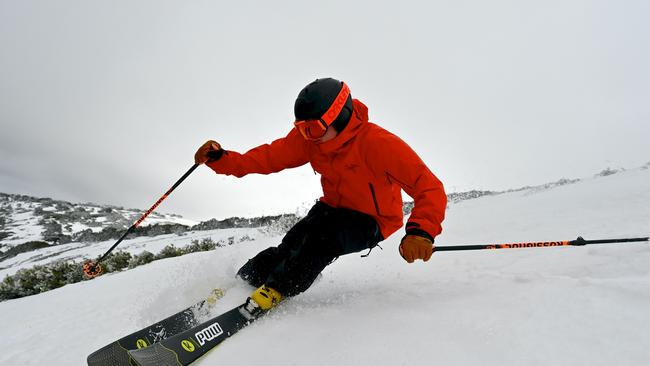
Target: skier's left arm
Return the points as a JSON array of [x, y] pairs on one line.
[[403, 166], [283, 153]]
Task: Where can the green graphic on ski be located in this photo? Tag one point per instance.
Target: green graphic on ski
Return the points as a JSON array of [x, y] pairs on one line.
[[188, 346], [115, 353]]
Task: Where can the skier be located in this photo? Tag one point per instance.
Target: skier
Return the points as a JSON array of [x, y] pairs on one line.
[[363, 168]]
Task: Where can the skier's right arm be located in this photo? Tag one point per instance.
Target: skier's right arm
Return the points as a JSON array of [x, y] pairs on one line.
[[284, 153]]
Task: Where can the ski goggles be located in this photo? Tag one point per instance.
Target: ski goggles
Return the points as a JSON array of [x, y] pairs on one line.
[[314, 129]]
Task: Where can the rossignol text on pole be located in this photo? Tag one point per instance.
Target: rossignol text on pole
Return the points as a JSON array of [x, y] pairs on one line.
[[578, 242], [92, 268]]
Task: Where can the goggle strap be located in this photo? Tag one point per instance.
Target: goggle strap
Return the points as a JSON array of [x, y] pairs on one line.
[[339, 102]]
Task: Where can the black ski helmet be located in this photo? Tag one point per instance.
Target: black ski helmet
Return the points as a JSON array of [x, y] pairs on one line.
[[316, 98]]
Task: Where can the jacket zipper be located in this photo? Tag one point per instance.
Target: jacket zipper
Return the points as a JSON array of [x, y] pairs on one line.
[[338, 182], [374, 198]]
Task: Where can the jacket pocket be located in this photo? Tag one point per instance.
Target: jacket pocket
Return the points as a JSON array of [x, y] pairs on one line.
[[374, 198]]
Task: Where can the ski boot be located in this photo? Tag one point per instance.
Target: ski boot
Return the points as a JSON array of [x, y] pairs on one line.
[[261, 300]]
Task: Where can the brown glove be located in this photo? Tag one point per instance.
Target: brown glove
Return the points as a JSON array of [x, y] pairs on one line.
[[210, 151], [415, 247]]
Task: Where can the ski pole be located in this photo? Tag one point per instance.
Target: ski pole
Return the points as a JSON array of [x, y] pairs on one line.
[[92, 268], [578, 242]]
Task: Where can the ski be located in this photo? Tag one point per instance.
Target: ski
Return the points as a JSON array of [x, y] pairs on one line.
[[115, 353], [188, 346]]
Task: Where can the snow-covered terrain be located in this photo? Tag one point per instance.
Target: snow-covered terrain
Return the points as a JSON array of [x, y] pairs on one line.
[[82, 251], [24, 218], [543, 306]]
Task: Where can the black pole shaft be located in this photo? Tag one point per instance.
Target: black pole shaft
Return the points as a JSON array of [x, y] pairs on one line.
[[578, 242], [148, 212]]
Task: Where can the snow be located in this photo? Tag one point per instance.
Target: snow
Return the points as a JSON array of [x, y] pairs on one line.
[[167, 219], [23, 225], [78, 227], [82, 250], [540, 306]]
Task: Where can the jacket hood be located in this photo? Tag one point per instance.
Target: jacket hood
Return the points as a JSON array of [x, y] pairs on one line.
[[358, 119]]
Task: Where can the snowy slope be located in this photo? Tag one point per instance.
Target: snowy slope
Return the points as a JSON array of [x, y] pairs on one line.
[[549, 306]]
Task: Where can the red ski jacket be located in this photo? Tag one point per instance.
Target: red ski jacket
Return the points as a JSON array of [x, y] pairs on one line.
[[363, 168]]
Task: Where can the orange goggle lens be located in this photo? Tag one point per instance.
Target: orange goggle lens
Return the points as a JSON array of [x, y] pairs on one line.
[[312, 129]]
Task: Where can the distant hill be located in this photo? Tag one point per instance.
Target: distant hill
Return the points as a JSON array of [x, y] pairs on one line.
[[28, 219]]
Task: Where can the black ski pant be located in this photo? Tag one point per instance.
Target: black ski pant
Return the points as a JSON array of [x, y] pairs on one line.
[[313, 243]]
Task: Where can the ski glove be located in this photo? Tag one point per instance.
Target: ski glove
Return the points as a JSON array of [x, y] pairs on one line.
[[210, 151], [415, 247]]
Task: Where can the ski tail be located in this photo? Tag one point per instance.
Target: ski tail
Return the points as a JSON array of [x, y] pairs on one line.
[[110, 355], [157, 355]]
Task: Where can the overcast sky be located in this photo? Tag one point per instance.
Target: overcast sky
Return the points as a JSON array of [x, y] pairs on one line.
[[107, 101]]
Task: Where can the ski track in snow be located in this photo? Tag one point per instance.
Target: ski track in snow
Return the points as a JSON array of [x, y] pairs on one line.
[[542, 306]]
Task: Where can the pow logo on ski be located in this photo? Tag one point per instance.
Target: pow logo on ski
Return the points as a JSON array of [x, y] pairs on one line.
[[207, 334]]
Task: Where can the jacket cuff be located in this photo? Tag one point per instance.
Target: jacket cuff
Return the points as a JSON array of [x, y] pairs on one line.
[[412, 229], [215, 155]]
